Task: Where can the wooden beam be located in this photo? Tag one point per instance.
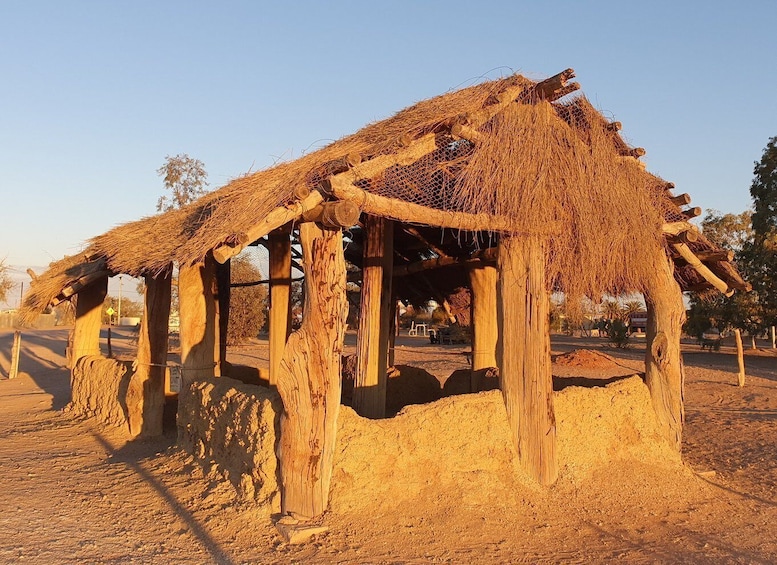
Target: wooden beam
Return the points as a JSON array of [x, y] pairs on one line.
[[676, 228], [463, 131], [80, 284], [333, 215], [275, 219], [146, 391], [550, 88], [279, 246], [309, 381], [692, 212], [478, 258], [681, 199], [685, 252], [423, 215], [425, 242], [369, 394], [664, 372], [524, 355]]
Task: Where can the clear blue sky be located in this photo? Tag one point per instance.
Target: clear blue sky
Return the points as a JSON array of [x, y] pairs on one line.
[[95, 94]]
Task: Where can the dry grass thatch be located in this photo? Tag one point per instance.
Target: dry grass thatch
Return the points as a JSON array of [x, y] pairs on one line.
[[554, 167]]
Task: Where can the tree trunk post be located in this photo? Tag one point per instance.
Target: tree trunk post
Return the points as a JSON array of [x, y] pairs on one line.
[[197, 306], [86, 330], [146, 392], [279, 247], [524, 354], [369, 393], [740, 358], [664, 370], [222, 292], [309, 380], [485, 332]]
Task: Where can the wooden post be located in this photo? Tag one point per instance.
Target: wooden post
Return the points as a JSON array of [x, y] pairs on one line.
[[15, 350], [664, 370], [279, 247], [309, 381], [524, 354], [197, 307], [774, 345], [369, 393], [110, 346], [86, 330], [222, 293], [740, 358], [146, 392], [485, 332]]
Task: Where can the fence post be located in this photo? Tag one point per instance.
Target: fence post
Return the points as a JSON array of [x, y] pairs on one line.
[[17, 346]]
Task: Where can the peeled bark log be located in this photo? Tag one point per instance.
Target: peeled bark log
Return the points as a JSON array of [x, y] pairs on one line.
[[485, 331], [524, 355], [86, 331], [146, 391], [279, 247], [664, 370], [369, 394], [197, 307], [309, 377]]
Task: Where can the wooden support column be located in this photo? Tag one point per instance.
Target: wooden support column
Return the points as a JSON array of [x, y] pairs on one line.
[[86, 331], [664, 371], [309, 381], [524, 354], [485, 331], [279, 247], [222, 293], [197, 307], [369, 393], [146, 392]]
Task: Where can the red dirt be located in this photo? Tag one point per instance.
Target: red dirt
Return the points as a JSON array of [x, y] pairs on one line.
[[438, 483]]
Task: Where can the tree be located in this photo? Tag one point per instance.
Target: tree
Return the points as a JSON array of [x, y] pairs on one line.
[[248, 304], [743, 310], [6, 284], [185, 178]]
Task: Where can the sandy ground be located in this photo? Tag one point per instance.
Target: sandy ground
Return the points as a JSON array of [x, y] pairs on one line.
[[72, 492]]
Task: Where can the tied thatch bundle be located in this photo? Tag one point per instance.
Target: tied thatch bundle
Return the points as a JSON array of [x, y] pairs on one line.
[[566, 180]]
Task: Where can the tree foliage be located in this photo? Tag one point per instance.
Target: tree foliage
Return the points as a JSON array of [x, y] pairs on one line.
[[6, 284], [186, 180], [248, 304]]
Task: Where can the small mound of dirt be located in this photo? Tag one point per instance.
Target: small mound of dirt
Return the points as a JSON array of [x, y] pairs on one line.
[[586, 358]]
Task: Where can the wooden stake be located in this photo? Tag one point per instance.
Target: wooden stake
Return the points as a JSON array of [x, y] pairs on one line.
[[279, 247], [15, 350], [524, 355], [664, 370], [221, 293], [369, 393], [740, 358], [309, 378], [146, 391]]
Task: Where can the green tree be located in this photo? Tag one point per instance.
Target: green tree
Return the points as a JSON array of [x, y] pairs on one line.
[[186, 180], [6, 284], [248, 304]]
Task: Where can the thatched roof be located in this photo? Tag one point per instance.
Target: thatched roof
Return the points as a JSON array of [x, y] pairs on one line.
[[508, 155]]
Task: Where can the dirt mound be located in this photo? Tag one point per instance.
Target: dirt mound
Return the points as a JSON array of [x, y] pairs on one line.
[[586, 358]]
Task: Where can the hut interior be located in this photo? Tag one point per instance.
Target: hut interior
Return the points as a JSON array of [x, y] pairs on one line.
[[511, 189]]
